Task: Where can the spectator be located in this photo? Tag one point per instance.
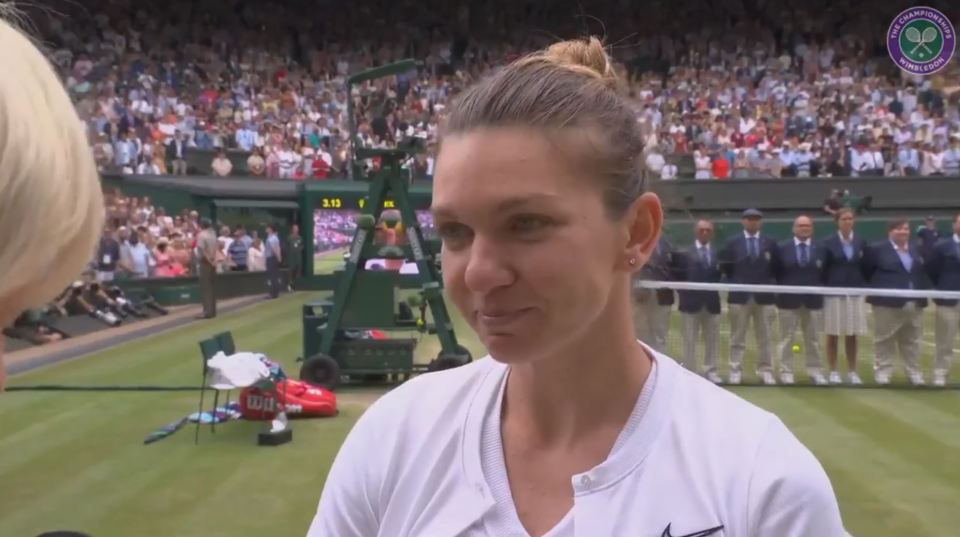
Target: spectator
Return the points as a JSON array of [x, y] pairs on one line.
[[221, 165], [741, 165], [108, 256], [237, 252], [908, 160], [711, 87], [256, 262], [256, 165], [655, 162], [951, 157], [932, 160], [176, 154], [140, 258], [164, 261], [147, 166], [702, 163], [669, 171], [720, 166]]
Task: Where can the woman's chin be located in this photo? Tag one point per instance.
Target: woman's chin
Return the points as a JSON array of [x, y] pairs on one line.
[[511, 348]]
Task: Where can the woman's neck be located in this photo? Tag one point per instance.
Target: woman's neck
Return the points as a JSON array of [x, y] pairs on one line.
[[593, 385]]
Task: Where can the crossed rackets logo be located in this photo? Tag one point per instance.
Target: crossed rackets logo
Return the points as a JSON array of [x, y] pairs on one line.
[[921, 40]]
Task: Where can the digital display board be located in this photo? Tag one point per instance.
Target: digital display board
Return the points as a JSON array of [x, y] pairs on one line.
[[333, 230]]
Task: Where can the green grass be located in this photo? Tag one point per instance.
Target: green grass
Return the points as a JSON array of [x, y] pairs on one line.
[[76, 460], [328, 262]]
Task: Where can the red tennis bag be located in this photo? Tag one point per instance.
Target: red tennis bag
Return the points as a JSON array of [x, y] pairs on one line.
[[296, 398]]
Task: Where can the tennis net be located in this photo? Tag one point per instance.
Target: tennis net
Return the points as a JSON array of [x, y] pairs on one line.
[[799, 335]]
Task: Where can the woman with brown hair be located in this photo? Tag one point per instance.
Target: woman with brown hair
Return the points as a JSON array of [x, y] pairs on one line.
[[570, 426]]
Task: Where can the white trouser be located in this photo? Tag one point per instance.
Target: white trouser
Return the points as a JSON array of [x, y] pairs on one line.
[[810, 323], [948, 320], [694, 324], [897, 328], [740, 317]]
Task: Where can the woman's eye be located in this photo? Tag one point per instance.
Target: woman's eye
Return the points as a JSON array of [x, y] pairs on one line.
[[453, 234], [528, 223]]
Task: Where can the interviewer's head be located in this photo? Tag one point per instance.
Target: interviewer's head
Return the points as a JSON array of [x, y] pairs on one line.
[[540, 204], [51, 206]]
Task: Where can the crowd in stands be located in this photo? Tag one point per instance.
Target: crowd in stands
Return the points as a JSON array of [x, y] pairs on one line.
[[143, 241], [140, 240], [743, 88]]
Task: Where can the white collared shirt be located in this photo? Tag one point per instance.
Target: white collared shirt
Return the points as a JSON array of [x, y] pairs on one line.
[[798, 242], [700, 457]]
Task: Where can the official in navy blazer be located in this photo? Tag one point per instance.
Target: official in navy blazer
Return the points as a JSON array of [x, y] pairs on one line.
[[749, 258], [944, 270], [800, 262], [700, 310], [896, 264], [844, 316], [652, 309]]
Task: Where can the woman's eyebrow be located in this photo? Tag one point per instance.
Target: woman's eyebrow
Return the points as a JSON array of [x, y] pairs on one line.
[[507, 204]]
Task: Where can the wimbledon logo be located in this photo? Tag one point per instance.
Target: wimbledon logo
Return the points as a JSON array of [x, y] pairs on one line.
[[921, 40]]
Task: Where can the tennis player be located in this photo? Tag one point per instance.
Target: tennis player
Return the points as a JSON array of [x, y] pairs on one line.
[[51, 207], [570, 426]]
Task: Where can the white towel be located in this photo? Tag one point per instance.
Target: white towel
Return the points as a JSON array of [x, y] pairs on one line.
[[237, 370]]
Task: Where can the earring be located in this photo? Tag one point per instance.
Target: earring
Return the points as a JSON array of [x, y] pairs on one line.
[[633, 261]]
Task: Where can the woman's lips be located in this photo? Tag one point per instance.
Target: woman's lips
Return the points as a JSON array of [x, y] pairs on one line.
[[500, 319]]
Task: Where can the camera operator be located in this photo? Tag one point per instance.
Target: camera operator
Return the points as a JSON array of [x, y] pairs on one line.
[[83, 299], [29, 326]]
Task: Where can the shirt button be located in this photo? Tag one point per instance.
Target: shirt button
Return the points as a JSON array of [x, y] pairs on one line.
[[585, 481]]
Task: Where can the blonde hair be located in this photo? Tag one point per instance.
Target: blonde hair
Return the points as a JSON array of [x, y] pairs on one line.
[[570, 86], [51, 206]]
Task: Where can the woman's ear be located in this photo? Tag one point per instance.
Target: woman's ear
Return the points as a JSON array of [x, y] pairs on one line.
[[645, 221]]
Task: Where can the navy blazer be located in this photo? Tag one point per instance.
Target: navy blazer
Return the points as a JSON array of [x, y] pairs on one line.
[[883, 270], [788, 271], [944, 269], [838, 271], [689, 267], [658, 268], [737, 266], [926, 239]]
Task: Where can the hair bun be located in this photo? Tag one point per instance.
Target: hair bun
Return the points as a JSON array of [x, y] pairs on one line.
[[583, 55]]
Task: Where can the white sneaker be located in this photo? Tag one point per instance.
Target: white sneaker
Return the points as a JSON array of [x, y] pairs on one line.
[[853, 378], [917, 379], [735, 377], [714, 378], [835, 378], [882, 379], [768, 378], [939, 380], [785, 378], [819, 379]]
